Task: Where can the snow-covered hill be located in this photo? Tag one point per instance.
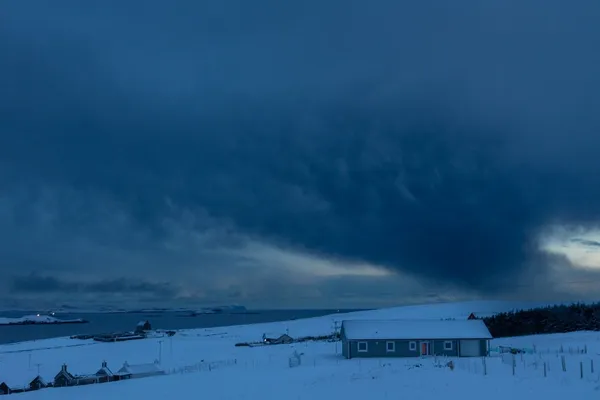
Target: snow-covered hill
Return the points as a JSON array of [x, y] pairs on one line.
[[204, 363]]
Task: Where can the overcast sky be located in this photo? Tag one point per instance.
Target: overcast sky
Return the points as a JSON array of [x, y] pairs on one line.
[[308, 154]]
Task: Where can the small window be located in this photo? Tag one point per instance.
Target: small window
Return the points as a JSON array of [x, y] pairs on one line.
[[362, 347], [390, 347], [447, 345], [412, 346]]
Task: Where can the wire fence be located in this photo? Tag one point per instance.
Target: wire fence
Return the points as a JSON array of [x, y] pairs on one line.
[[203, 366], [565, 364]]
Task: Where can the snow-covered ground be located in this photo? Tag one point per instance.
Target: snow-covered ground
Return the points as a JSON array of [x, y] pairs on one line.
[[204, 363]]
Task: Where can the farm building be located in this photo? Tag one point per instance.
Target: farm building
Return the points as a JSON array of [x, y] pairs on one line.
[[414, 338], [4, 389], [104, 374], [64, 377], [143, 326], [283, 339], [104, 370], [37, 383], [129, 371]]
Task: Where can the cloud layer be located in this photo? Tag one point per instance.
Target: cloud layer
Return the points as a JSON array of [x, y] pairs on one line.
[[207, 146]]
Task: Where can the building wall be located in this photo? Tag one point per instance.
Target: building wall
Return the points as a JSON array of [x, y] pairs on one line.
[[85, 381], [344, 342], [440, 350], [36, 384], [345, 348], [378, 348], [4, 389], [484, 346], [61, 381]]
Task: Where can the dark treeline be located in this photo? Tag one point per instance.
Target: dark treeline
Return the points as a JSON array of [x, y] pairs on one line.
[[552, 319]]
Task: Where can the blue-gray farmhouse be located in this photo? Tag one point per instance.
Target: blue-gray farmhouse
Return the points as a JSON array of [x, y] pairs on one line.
[[414, 338]]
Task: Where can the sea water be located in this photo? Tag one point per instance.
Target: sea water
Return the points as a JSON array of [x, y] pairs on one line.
[[127, 321]]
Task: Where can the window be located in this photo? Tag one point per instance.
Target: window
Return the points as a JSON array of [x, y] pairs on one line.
[[362, 347], [390, 347], [412, 346], [447, 345]]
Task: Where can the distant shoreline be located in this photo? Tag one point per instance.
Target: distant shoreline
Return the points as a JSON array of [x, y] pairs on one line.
[[42, 323], [39, 320], [123, 322]]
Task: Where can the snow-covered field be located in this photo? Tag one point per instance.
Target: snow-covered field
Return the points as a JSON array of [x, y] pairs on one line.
[[204, 363]]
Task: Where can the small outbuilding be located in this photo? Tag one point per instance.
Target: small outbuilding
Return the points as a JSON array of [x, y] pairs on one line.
[[86, 380], [4, 389], [143, 326], [130, 371], [37, 383], [283, 339], [104, 374], [64, 377], [414, 338]]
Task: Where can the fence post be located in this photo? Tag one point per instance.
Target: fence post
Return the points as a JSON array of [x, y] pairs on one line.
[[544, 369], [514, 363], [581, 369], [484, 367], [564, 363]]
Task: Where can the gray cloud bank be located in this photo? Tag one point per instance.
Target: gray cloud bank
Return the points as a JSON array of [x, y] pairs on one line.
[[45, 284], [434, 140]]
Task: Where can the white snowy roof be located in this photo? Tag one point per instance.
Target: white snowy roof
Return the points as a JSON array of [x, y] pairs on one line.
[[415, 329], [136, 369], [39, 378], [104, 371]]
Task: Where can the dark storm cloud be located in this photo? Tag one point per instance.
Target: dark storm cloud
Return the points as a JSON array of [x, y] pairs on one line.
[[436, 139], [164, 290], [35, 283], [43, 284]]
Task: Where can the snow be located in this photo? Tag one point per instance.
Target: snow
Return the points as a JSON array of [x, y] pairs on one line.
[[104, 371], [415, 329], [205, 363], [139, 369], [36, 319]]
